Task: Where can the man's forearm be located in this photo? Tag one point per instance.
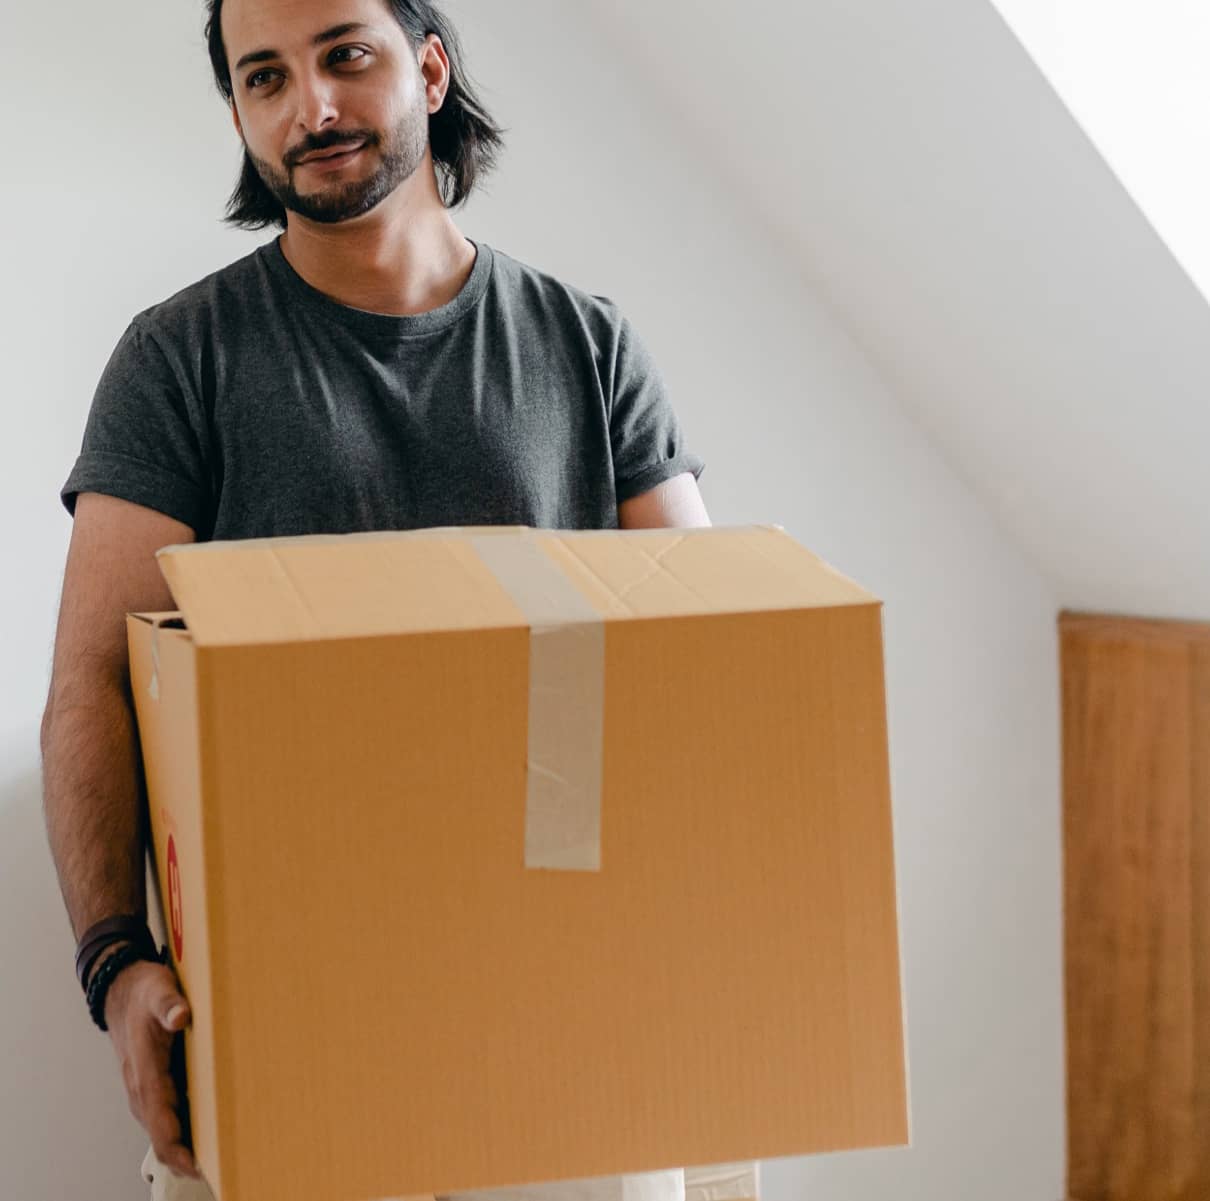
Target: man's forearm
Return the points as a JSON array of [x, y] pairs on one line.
[[92, 801]]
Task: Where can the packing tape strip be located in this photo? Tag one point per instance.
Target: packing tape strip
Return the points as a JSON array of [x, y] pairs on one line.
[[566, 705], [153, 686]]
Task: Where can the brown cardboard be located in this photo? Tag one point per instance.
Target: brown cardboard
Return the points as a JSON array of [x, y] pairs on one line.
[[386, 999]]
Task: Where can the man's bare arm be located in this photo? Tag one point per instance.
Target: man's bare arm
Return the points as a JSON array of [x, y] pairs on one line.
[[92, 793], [674, 504], [89, 743]]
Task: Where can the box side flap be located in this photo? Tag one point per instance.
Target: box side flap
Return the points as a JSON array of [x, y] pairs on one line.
[[676, 573], [305, 589], [164, 679]]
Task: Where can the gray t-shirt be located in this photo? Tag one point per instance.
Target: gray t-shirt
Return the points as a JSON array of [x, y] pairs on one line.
[[252, 405]]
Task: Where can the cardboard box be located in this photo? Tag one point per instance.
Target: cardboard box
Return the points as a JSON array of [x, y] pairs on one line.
[[499, 856]]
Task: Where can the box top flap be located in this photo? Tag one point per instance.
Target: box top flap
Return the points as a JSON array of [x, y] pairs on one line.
[[358, 585]]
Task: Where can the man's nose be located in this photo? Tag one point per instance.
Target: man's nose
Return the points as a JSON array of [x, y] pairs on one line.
[[316, 101]]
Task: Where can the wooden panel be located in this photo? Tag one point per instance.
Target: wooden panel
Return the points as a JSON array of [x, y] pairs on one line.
[[1136, 782]]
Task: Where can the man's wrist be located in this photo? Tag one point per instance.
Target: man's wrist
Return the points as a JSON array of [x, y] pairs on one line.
[[115, 994], [110, 972], [103, 954]]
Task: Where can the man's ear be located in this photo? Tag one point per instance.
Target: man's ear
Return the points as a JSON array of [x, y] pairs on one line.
[[434, 67], [239, 129]]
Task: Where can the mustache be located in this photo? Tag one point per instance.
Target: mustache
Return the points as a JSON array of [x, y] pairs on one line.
[[316, 143]]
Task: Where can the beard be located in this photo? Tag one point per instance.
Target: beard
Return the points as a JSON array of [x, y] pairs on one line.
[[401, 153]]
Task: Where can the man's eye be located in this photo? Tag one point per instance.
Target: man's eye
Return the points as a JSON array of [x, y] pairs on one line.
[[259, 79], [346, 54]]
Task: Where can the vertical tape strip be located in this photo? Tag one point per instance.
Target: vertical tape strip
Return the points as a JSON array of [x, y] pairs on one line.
[[566, 705], [153, 686]]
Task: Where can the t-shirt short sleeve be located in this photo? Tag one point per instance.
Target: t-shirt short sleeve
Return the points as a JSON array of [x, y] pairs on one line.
[[648, 445], [141, 440]]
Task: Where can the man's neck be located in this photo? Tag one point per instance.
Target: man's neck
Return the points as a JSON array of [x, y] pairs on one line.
[[398, 259]]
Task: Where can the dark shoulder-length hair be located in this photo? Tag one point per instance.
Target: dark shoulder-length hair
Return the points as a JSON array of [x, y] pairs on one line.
[[464, 139]]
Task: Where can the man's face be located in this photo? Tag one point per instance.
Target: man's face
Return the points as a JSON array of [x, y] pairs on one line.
[[329, 100]]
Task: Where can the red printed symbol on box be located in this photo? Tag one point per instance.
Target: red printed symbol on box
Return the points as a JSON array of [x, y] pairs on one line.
[[174, 901]]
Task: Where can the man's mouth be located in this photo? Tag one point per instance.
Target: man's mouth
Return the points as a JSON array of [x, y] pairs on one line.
[[334, 156]]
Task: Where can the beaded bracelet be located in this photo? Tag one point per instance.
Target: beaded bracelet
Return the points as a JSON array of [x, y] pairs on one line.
[[98, 986]]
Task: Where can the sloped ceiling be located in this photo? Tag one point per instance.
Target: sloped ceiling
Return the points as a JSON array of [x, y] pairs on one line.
[[1134, 76], [916, 166]]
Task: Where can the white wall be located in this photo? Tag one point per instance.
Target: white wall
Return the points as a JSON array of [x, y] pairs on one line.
[[131, 164], [914, 164]]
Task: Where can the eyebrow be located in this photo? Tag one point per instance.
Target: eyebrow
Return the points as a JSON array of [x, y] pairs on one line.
[[320, 39]]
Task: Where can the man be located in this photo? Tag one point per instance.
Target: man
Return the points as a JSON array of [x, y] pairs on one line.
[[371, 368]]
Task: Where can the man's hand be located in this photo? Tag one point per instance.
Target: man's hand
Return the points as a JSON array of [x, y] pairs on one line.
[[145, 1011]]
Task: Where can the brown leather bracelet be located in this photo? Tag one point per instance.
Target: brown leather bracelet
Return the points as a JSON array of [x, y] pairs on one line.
[[125, 927]]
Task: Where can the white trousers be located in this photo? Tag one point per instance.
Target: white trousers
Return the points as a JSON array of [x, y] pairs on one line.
[[166, 1186], [645, 1186]]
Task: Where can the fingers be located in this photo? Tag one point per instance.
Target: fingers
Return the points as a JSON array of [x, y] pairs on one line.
[[175, 1015], [170, 1008], [153, 1019], [164, 1129], [156, 1104]]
